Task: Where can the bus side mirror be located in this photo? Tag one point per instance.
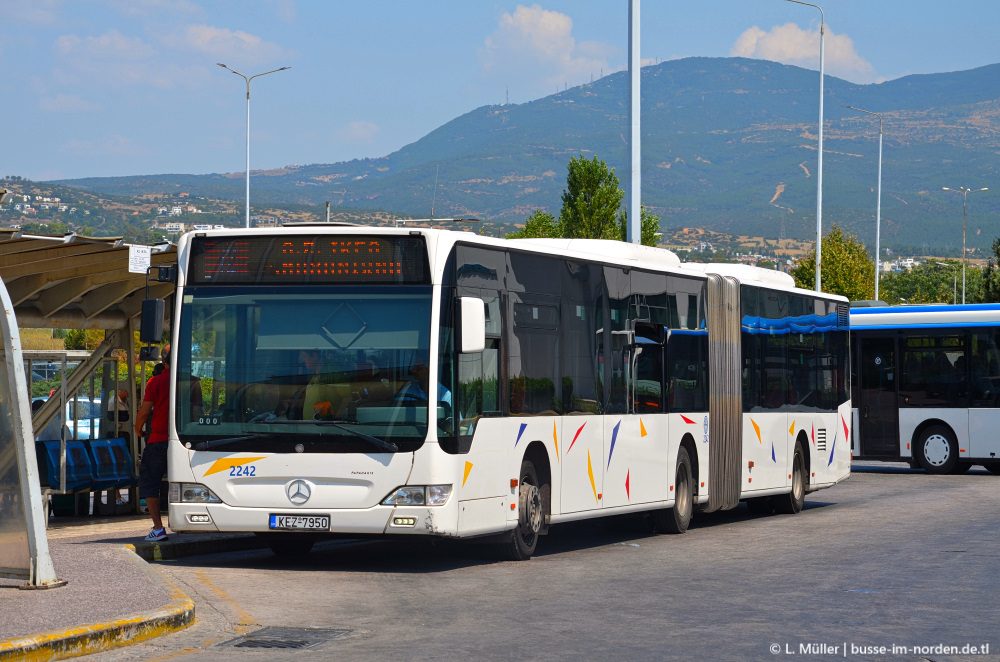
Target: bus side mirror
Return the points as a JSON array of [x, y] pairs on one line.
[[471, 325], [151, 321]]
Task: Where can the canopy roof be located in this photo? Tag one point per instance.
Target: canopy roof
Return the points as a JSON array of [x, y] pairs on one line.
[[76, 282]]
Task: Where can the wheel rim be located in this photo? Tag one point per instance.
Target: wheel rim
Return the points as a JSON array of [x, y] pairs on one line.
[[530, 517], [683, 498], [937, 450], [798, 486]]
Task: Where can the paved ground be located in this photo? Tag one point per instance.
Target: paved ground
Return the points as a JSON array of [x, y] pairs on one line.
[[103, 583], [890, 558]]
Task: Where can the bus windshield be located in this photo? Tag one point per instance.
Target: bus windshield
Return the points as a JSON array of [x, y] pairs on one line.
[[303, 369]]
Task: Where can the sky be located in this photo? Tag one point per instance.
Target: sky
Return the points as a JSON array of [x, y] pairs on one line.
[[92, 88]]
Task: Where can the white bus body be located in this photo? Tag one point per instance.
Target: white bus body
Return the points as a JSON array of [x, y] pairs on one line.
[[571, 411], [927, 385]]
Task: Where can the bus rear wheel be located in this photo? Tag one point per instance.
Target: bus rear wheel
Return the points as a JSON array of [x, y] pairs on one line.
[[678, 518], [530, 516], [791, 503], [937, 450], [993, 468]]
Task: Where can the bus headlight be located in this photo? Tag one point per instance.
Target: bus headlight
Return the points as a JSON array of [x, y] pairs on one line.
[[418, 495], [437, 495], [192, 493]]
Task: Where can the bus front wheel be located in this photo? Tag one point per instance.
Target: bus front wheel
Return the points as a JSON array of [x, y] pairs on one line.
[[937, 450], [677, 519], [530, 516]]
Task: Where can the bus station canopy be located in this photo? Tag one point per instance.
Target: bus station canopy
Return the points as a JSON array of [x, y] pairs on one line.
[[75, 282]]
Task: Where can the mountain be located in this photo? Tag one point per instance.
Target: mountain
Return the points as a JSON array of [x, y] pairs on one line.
[[729, 144]]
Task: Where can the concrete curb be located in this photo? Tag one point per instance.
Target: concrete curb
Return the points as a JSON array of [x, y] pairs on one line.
[[96, 637]]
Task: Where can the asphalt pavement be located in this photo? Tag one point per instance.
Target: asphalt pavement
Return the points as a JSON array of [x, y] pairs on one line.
[[113, 596]]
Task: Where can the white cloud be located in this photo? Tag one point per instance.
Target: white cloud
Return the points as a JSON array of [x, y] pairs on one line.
[[35, 12], [148, 8], [114, 145], [285, 10], [66, 103], [116, 61], [110, 45], [236, 47], [357, 132], [537, 45], [790, 44]]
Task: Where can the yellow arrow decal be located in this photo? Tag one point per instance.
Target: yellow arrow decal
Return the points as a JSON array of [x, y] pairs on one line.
[[468, 469], [227, 463], [590, 470]]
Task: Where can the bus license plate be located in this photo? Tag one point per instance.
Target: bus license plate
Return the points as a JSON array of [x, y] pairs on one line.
[[300, 522]]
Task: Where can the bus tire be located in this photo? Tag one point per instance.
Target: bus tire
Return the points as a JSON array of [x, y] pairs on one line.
[[993, 468], [962, 467], [288, 545], [937, 450], [791, 503], [678, 518], [530, 516]]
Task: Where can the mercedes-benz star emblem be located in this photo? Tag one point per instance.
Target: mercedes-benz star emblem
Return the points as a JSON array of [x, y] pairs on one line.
[[298, 492]]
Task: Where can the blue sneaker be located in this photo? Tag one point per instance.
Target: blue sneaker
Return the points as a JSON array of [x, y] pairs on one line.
[[156, 535]]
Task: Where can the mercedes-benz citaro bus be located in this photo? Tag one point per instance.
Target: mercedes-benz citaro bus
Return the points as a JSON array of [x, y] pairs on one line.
[[927, 387], [419, 382]]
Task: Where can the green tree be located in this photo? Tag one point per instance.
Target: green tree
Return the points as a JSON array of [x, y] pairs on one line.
[[991, 276], [649, 227], [592, 201], [846, 270], [83, 338], [539, 224], [935, 282], [591, 209]]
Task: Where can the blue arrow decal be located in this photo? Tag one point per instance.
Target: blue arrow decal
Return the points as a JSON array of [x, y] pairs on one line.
[[614, 437]]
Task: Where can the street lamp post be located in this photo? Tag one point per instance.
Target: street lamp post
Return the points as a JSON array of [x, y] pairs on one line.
[[248, 123], [878, 196], [965, 194], [819, 166]]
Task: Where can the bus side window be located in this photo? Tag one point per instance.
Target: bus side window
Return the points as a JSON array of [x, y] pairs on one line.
[[478, 379]]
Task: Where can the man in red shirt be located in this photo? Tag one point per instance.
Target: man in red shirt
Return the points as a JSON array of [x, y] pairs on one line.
[[153, 466]]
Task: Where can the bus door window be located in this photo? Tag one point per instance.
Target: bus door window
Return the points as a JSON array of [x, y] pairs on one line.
[[582, 315], [985, 368], [649, 314], [932, 373], [478, 392], [750, 323], [687, 370], [648, 369], [774, 344], [618, 358]]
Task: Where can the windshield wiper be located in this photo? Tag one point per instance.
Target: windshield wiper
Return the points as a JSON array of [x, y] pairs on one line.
[[381, 443], [212, 443]]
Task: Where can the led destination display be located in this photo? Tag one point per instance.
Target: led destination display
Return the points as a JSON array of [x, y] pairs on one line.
[[318, 259]]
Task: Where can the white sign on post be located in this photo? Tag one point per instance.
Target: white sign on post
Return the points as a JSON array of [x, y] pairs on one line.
[[139, 259]]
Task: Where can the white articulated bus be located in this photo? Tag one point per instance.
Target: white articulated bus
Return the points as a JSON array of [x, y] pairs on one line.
[[375, 381], [927, 385]]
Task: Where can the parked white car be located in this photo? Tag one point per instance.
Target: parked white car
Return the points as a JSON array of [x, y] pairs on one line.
[[83, 417]]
